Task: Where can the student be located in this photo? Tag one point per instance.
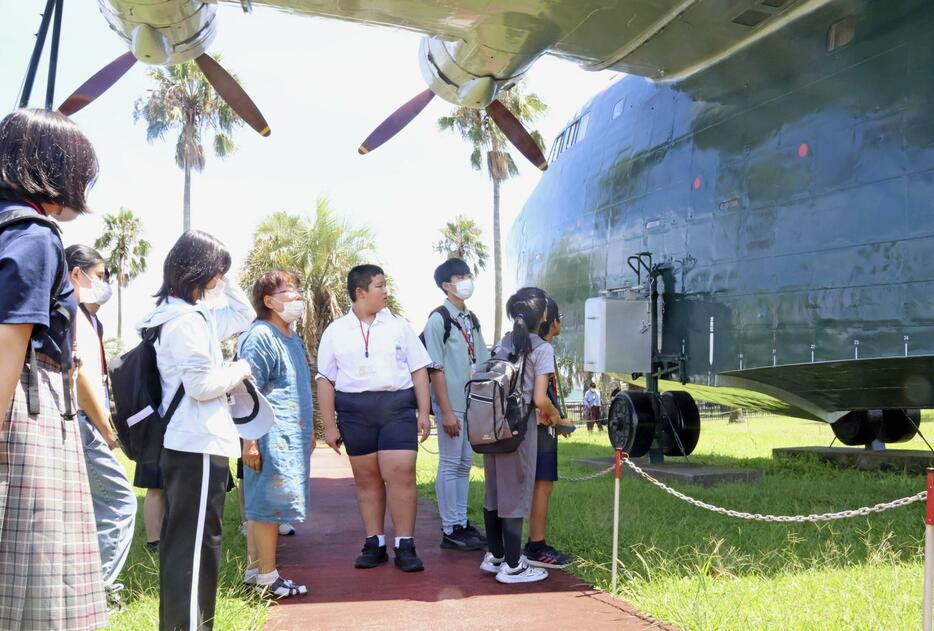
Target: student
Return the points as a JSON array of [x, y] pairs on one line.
[[276, 467], [113, 497], [196, 308], [372, 369], [510, 477], [538, 552], [50, 568], [592, 405], [453, 364]]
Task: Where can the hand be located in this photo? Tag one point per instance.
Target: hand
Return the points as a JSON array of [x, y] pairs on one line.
[[546, 419], [424, 426], [251, 455], [332, 436], [450, 424]]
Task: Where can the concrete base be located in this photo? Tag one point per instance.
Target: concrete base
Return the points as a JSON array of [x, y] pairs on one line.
[[679, 473], [909, 461]]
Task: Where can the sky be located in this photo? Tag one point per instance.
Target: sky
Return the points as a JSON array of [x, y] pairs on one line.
[[322, 85]]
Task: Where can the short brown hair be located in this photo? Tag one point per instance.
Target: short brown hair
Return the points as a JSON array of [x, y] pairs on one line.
[[45, 158], [268, 283]]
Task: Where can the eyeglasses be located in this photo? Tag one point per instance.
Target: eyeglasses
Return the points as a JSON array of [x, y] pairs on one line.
[[295, 292]]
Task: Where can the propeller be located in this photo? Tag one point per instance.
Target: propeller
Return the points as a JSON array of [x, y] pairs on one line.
[[222, 81], [504, 119]]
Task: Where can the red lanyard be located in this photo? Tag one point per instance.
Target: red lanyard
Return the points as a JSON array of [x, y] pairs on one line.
[[366, 338], [470, 350], [35, 207]]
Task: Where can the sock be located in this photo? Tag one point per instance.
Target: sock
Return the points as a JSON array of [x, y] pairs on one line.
[[448, 530], [267, 579], [399, 539], [381, 538], [535, 546], [251, 571], [512, 539], [494, 533]]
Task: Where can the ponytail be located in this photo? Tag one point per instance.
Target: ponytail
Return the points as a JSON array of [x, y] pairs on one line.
[[520, 335], [526, 308]]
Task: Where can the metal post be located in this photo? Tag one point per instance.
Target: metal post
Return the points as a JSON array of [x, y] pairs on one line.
[[929, 551], [36, 53], [53, 55], [619, 457], [656, 454]]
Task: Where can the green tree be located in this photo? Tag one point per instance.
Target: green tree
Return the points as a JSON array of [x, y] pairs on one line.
[[491, 151], [461, 238], [123, 237], [183, 99], [321, 252]]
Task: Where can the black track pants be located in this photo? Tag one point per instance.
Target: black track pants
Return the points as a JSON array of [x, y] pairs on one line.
[[190, 548]]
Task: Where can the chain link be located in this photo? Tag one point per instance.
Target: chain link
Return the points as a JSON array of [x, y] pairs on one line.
[[798, 519], [584, 478]]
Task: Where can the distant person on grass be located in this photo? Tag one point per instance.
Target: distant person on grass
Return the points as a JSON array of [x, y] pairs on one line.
[[593, 407], [372, 370], [114, 501], [455, 344], [537, 551], [510, 477], [276, 467]]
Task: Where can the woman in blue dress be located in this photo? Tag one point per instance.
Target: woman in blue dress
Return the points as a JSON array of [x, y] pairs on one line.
[[276, 467]]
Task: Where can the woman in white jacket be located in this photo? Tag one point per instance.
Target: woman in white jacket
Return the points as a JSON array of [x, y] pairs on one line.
[[196, 308]]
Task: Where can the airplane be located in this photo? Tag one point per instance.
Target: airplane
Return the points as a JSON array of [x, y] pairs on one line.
[[748, 207]]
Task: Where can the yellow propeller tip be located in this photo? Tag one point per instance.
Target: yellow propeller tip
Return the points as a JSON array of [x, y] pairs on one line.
[[363, 150], [543, 166], [265, 133]]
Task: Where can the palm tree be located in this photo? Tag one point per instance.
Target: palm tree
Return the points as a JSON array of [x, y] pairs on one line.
[[491, 148], [128, 251], [461, 238], [321, 253], [183, 99]]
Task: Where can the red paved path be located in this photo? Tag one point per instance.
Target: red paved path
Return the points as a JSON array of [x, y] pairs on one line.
[[451, 594]]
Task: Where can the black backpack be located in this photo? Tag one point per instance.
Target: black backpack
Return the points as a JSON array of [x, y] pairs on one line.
[[10, 218], [448, 322], [137, 393]]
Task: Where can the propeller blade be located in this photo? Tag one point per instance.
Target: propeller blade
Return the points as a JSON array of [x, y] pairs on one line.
[[396, 121], [234, 95], [97, 84], [517, 134]]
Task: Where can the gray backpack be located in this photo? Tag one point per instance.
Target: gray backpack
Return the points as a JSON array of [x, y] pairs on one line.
[[497, 415]]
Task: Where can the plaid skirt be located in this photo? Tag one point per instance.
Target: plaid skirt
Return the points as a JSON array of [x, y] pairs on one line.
[[50, 568]]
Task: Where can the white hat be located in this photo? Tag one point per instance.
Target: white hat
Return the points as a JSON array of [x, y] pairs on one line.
[[250, 410]]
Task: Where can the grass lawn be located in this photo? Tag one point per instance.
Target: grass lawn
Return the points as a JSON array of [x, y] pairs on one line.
[[699, 570], [238, 609]]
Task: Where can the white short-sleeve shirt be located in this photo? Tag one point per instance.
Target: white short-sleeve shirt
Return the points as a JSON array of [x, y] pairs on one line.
[[376, 358]]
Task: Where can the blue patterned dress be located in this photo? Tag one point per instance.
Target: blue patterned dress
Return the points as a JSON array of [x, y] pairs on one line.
[[279, 491]]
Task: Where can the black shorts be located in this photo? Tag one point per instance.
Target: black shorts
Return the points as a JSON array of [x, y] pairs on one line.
[[377, 421], [546, 464]]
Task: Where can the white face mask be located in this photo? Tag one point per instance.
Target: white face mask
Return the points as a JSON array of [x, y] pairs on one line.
[[98, 293], [463, 289], [292, 311], [214, 295]]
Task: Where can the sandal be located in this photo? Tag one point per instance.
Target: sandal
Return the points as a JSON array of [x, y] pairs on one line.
[[282, 588]]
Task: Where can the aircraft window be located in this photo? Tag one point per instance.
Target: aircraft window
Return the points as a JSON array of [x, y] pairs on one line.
[[841, 33], [571, 136], [585, 119], [556, 148], [751, 17], [618, 108]]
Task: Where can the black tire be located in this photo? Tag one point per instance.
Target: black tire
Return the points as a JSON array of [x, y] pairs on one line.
[[859, 427], [683, 414], [899, 426], [631, 422]]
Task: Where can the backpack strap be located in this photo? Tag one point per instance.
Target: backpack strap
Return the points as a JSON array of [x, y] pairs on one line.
[[446, 319]]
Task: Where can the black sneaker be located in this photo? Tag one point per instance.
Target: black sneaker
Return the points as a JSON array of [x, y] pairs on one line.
[[406, 558], [546, 556], [461, 539], [477, 534], [153, 546], [372, 554]]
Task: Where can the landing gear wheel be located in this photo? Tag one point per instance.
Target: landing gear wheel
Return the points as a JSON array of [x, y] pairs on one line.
[[899, 426], [859, 427], [631, 422], [685, 419]]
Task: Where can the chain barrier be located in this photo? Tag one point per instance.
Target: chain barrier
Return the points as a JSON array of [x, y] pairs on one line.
[[799, 519], [584, 478]]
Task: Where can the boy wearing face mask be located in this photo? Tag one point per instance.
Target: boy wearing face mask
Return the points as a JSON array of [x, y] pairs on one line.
[[112, 495], [455, 344], [276, 467]]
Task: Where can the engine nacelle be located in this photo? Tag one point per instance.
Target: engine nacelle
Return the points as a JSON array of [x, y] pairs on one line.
[[467, 74], [164, 32]]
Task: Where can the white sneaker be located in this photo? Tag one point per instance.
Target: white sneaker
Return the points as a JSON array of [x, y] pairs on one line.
[[286, 529], [491, 563], [249, 576], [522, 574]]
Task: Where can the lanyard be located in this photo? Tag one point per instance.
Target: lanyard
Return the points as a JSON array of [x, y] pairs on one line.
[[366, 338], [470, 349], [35, 207]]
